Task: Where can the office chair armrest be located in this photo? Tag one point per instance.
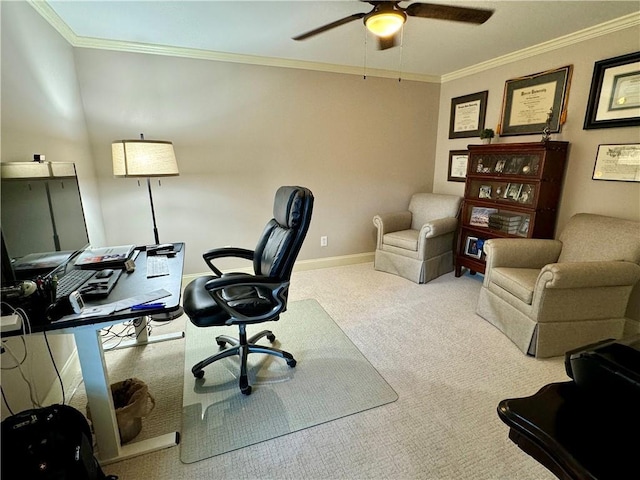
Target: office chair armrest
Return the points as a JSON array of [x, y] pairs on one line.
[[226, 252], [277, 290]]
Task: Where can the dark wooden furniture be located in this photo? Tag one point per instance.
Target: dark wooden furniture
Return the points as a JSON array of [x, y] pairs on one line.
[[575, 434], [511, 190]]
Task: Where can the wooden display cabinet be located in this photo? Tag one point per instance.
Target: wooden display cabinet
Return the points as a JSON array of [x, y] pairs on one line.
[[511, 190]]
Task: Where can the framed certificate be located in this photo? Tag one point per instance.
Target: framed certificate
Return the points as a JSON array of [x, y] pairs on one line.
[[458, 160], [535, 102], [618, 162], [467, 115], [614, 98]]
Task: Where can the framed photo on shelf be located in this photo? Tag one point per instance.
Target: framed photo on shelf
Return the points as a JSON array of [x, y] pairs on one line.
[[614, 98], [536, 102], [458, 160], [618, 162], [523, 229], [467, 115], [473, 247], [512, 192]]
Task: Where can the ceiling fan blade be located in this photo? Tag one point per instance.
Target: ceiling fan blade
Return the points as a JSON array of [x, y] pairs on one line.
[[385, 43], [329, 26], [446, 12]]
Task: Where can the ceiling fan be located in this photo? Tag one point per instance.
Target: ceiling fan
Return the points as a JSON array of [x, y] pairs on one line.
[[386, 19]]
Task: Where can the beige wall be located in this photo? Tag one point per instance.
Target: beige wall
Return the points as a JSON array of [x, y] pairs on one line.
[[42, 113], [580, 192], [240, 131]]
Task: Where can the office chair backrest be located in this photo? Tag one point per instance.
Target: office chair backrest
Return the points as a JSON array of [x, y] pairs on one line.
[[283, 236]]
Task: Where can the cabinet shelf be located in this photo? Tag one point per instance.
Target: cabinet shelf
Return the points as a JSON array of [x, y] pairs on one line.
[[511, 191]]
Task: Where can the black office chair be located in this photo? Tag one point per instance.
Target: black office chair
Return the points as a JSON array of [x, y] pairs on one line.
[[242, 299]]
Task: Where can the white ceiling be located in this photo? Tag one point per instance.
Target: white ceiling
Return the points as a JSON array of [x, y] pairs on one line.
[[261, 31]]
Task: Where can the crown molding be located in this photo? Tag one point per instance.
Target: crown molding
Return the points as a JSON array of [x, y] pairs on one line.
[[56, 22], [76, 41], [628, 21]]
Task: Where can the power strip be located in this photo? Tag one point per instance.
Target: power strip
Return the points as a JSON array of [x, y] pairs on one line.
[[11, 322]]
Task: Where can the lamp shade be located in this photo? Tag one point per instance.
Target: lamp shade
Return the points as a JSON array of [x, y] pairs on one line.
[[143, 158]]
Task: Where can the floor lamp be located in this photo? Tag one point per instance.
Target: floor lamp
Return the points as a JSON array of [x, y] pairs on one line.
[[146, 159]]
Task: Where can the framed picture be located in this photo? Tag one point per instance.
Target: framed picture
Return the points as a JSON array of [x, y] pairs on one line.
[[473, 247], [467, 115], [614, 98], [523, 229], [512, 192], [618, 162], [536, 102], [458, 160]]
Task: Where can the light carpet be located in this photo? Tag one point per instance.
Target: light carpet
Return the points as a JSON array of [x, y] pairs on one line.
[[332, 379]]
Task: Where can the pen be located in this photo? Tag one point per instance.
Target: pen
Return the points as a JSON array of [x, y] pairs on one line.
[[147, 306]]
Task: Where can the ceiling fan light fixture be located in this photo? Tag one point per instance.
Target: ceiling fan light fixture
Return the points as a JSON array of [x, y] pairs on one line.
[[385, 24]]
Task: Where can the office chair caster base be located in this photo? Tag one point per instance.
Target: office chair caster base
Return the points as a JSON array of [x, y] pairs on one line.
[[271, 338], [245, 388], [199, 374], [292, 363]]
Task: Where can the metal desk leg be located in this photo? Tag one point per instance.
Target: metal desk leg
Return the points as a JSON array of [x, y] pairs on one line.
[[105, 424]]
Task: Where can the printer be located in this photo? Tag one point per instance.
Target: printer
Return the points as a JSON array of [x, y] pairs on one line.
[[610, 369]]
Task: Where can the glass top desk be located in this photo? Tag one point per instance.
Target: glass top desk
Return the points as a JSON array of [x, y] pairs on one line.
[[91, 354]]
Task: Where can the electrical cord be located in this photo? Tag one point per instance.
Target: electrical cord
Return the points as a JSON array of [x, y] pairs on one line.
[[55, 367]]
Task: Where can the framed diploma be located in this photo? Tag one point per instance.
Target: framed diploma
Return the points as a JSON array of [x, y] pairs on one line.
[[618, 162], [458, 160], [536, 103], [467, 115], [614, 98]]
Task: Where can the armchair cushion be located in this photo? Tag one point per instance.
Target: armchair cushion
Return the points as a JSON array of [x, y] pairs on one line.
[[520, 282], [407, 239]]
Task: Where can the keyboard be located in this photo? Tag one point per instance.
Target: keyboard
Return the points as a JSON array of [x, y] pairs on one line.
[[72, 280], [157, 266]]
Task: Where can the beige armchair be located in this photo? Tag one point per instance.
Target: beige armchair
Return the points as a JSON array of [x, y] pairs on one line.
[[551, 296], [417, 244]]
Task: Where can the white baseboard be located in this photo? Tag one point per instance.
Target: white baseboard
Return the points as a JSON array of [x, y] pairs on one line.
[[69, 374], [302, 265]]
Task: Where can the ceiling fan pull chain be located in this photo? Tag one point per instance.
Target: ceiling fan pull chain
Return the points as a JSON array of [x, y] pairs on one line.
[[365, 54], [401, 50]]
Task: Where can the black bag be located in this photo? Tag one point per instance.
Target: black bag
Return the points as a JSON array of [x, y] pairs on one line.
[[52, 443]]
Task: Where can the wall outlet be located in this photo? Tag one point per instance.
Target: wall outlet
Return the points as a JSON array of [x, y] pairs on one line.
[[323, 241]]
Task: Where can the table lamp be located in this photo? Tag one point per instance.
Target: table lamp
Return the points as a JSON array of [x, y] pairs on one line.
[[144, 158]]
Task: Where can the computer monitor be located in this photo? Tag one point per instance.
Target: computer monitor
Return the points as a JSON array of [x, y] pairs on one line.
[[8, 275], [41, 212]]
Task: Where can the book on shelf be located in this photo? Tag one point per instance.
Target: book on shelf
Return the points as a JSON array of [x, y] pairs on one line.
[[104, 257], [480, 216], [505, 218]]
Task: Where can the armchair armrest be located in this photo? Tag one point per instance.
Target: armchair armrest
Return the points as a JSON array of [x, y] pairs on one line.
[[440, 226], [391, 222], [225, 252], [275, 288], [521, 252], [588, 274]]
